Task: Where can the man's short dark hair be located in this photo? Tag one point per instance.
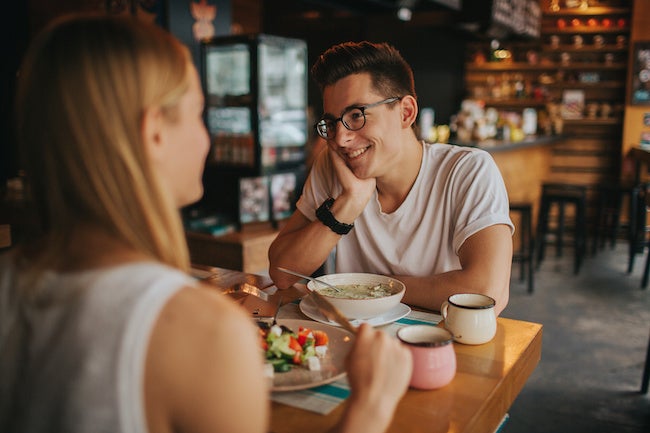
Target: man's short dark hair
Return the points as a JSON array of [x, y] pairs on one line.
[[391, 74]]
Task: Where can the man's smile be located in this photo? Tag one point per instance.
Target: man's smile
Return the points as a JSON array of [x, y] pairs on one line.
[[356, 153]]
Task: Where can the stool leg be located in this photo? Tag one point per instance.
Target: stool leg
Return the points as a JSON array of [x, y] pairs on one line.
[[616, 223], [522, 248], [580, 236], [542, 228], [560, 231], [646, 271], [634, 198], [600, 223], [646, 371], [524, 239], [530, 249]]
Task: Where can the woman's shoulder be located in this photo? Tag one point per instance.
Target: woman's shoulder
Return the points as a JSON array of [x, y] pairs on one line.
[[201, 303], [204, 348]]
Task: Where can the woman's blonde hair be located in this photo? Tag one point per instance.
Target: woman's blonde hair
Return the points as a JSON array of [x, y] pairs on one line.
[[83, 90]]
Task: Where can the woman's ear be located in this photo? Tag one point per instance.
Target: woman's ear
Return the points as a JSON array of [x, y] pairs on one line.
[[409, 110], [152, 132]]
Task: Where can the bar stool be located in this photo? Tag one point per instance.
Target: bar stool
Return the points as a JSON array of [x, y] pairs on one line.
[[608, 214], [638, 228], [525, 253], [562, 194]]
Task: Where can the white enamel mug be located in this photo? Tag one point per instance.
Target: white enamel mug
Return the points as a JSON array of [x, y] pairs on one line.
[[470, 317]]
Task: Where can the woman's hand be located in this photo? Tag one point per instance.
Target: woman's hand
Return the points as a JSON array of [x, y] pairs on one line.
[[379, 370]]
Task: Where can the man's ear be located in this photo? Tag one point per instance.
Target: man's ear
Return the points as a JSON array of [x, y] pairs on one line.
[[152, 132], [409, 110]]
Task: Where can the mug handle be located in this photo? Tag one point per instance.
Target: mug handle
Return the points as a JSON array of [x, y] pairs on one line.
[[443, 309]]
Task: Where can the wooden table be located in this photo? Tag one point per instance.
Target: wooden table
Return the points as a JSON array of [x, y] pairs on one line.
[[489, 377], [487, 381]]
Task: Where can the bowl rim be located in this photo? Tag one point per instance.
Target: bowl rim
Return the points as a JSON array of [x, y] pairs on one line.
[[385, 278]]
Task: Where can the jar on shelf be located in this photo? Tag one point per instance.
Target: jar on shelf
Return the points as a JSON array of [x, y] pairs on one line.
[[605, 110], [555, 41], [532, 57], [578, 41], [592, 110], [565, 59], [599, 41]]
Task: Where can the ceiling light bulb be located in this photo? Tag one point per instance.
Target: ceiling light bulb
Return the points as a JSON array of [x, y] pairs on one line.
[[404, 14]]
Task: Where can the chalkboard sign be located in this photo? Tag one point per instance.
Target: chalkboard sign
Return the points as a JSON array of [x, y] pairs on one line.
[[502, 18]]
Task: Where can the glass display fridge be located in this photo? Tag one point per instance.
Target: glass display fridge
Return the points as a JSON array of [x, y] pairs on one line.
[[256, 114]]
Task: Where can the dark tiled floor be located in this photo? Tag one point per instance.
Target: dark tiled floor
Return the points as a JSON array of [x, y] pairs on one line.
[[596, 328]]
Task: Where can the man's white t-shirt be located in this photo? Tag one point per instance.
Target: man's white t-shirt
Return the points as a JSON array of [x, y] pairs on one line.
[[458, 191]]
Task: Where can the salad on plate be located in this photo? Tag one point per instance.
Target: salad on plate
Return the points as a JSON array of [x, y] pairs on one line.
[[285, 349]]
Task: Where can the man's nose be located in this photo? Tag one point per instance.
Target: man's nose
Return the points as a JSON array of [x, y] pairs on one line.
[[342, 135]]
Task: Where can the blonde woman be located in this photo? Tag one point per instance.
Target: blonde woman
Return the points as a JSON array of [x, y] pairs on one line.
[[101, 328]]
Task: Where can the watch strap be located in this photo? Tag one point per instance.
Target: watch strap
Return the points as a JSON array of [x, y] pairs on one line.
[[324, 214]]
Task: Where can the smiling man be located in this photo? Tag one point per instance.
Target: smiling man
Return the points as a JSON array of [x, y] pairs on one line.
[[435, 216]]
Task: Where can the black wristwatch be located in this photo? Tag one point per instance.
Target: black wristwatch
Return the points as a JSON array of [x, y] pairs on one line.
[[324, 214]]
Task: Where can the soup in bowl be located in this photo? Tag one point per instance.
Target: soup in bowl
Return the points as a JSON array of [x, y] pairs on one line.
[[361, 295]]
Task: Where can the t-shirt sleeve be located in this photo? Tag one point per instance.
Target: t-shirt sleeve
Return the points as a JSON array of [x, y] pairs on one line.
[[481, 197], [321, 183]]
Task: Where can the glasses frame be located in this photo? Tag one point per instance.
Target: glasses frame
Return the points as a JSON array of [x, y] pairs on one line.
[[362, 108]]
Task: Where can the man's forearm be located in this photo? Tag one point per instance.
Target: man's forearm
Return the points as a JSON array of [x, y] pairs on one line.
[[430, 292], [302, 250]]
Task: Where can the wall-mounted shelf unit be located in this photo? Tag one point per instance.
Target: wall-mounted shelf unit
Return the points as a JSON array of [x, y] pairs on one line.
[[574, 72]]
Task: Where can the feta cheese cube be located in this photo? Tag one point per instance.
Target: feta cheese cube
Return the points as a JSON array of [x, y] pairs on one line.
[[313, 363], [321, 351], [276, 330]]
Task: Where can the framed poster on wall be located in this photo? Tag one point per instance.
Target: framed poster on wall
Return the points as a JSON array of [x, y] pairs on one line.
[[640, 89]]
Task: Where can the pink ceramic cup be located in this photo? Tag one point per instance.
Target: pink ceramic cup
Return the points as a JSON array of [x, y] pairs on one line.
[[434, 359]]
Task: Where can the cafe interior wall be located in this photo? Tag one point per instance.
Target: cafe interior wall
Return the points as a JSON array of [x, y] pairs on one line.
[[430, 42]]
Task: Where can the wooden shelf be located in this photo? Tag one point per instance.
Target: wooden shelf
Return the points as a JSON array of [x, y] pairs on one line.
[[519, 103], [584, 30], [508, 67], [591, 11], [579, 85], [520, 67], [585, 49], [593, 122]]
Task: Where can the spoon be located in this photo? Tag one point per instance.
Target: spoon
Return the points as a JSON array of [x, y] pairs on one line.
[[315, 280]]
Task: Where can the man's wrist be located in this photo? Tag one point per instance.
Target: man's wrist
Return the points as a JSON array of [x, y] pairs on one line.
[[324, 215]]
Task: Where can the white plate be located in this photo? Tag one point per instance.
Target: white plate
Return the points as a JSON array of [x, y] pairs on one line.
[[310, 310], [332, 365]]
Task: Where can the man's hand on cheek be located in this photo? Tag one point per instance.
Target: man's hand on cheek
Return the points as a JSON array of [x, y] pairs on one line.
[[351, 184]]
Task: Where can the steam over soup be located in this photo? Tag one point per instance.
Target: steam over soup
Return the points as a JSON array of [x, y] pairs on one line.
[[357, 291]]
